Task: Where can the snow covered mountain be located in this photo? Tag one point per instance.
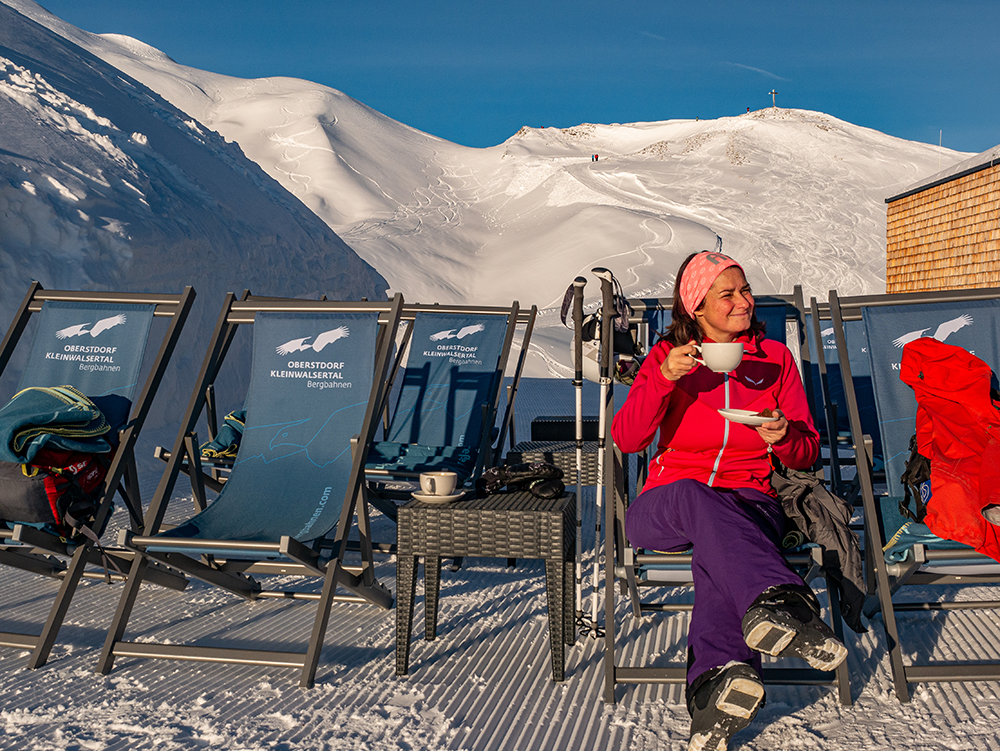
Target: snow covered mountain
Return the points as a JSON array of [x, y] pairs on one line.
[[797, 196], [105, 185]]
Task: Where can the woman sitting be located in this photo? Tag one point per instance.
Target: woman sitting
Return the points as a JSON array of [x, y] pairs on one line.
[[709, 490]]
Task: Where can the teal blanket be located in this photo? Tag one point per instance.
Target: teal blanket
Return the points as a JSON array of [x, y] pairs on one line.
[[57, 417]]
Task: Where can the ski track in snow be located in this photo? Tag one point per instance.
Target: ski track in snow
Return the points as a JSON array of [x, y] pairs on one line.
[[803, 232]]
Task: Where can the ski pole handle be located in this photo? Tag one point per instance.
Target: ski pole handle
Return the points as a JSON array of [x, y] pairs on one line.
[[608, 314], [578, 284]]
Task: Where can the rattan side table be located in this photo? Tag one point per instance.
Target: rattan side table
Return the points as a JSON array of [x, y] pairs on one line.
[[505, 525]]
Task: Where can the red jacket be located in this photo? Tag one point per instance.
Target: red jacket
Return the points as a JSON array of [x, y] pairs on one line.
[[696, 442], [958, 429]]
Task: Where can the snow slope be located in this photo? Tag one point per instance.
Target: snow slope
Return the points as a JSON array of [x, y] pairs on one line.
[[144, 180], [105, 185]]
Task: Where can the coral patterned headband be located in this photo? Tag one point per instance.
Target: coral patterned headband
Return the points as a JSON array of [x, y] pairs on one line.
[[699, 275]]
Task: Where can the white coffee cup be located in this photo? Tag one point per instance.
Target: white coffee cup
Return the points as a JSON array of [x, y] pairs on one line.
[[722, 357], [438, 483]]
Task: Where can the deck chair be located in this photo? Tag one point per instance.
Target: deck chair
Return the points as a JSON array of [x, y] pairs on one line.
[[289, 506], [638, 571], [94, 341], [828, 386], [448, 397], [911, 555]]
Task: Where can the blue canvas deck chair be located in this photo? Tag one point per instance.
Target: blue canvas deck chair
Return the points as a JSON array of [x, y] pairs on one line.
[[289, 506], [94, 341], [448, 396], [636, 571], [910, 554]]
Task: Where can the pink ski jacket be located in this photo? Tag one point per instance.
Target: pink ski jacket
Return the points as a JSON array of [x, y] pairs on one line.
[[695, 441]]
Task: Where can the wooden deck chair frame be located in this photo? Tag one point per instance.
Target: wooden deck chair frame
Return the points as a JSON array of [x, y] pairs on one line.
[[488, 449], [889, 580], [621, 563], [34, 550], [233, 574]]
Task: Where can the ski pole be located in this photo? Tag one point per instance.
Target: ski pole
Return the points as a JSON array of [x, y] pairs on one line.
[[607, 338], [578, 284]]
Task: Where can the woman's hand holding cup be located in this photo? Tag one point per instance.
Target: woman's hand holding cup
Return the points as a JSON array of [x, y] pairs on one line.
[[722, 357], [679, 361]]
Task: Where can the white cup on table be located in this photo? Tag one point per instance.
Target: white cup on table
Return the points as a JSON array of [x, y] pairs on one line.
[[438, 483]]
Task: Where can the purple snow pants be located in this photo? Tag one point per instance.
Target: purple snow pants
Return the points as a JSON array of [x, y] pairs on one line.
[[735, 537]]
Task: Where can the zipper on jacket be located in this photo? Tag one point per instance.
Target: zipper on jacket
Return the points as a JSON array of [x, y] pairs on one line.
[[725, 434]]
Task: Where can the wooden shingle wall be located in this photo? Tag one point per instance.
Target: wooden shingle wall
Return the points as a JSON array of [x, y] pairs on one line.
[[947, 236]]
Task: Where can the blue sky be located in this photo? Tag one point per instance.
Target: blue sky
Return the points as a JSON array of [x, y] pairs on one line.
[[475, 72]]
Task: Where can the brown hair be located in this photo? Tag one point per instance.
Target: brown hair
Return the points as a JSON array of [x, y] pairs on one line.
[[683, 327]]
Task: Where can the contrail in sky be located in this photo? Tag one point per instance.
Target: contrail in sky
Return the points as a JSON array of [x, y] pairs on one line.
[[757, 70]]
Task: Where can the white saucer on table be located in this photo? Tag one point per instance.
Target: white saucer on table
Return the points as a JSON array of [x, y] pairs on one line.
[[437, 500], [745, 416]]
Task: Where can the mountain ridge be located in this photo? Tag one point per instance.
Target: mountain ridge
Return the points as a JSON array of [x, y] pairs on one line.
[[797, 196]]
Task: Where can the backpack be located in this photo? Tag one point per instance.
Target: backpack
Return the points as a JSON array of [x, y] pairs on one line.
[[60, 488], [916, 479], [624, 337]]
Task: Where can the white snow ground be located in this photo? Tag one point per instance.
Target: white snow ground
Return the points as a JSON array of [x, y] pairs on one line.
[[104, 185], [484, 684]]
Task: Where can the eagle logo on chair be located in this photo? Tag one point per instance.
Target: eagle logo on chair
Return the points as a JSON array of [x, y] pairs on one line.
[[462, 333], [96, 330], [942, 332], [317, 345]]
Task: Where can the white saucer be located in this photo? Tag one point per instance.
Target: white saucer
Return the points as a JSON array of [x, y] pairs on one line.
[[438, 500], [744, 416]]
